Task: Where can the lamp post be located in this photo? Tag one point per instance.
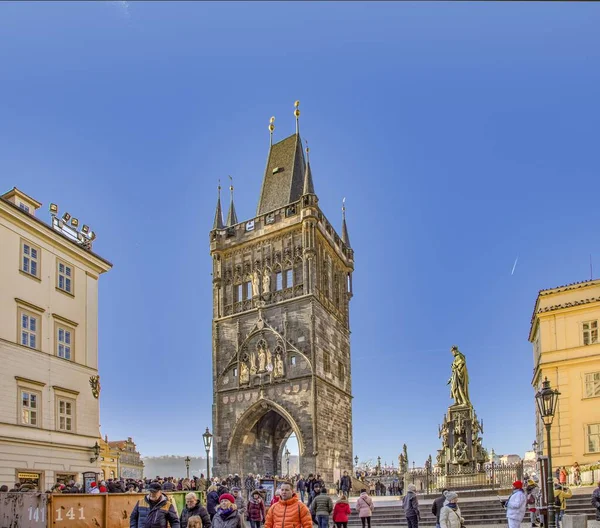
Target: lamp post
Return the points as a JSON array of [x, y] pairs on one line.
[[287, 461], [547, 399], [207, 437], [356, 461], [96, 450], [187, 466]]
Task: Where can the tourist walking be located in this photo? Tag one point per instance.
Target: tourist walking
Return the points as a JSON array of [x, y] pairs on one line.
[[321, 507], [194, 522], [516, 505], [365, 507], [345, 484], [227, 515], [240, 502], [596, 503], [561, 494], [256, 510], [212, 501], [155, 510], [450, 516], [533, 495], [576, 470], [301, 487], [436, 507], [289, 512], [341, 512], [193, 508], [411, 507], [562, 476]]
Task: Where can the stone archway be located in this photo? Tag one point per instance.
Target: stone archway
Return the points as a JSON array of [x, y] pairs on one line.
[[257, 441]]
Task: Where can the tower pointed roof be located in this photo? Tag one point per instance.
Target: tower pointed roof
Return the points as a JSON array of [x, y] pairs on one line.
[[232, 218], [218, 223], [309, 187], [283, 181], [345, 236]]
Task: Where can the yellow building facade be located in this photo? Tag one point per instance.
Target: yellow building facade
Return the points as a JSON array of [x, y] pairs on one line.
[[49, 384], [566, 350], [109, 460]]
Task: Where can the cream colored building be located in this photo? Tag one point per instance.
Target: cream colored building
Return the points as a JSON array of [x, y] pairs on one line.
[[566, 350], [49, 417]]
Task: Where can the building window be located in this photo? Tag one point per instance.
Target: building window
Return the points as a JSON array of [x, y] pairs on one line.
[[590, 332], [235, 372], [65, 415], [326, 362], [248, 288], [64, 277], [293, 361], [64, 342], [30, 406], [30, 259], [23, 207], [592, 385], [593, 438], [278, 280], [238, 292], [289, 278], [29, 326]]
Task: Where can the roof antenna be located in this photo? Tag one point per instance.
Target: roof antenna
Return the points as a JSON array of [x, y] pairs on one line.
[[297, 114], [271, 128], [591, 268]]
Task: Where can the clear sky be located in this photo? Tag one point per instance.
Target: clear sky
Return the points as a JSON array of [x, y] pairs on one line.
[[461, 134]]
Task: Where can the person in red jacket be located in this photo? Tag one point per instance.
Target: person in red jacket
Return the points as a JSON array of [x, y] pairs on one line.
[[341, 511]]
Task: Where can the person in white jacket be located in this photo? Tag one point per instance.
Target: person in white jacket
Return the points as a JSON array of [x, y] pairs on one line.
[[516, 505], [450, 516]]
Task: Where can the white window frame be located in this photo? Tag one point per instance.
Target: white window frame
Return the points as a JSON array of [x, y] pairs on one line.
[[63, 345], [66, 276], [37, 410], [595, 434], [62, 413], [591, 385], [24, 320], [29, 260], [589, 332]]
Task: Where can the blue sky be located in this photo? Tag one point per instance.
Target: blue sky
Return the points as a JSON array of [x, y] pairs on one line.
[[461, 134]]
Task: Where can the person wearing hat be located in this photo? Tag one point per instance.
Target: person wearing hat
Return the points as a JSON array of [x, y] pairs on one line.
[[193, 508], [411, 507], [227, 515], [561, 494], [256, 510], [450, 516], [516, 505], [437, 505], [155, 510], [533, 494], [240, 502], [94, 488]]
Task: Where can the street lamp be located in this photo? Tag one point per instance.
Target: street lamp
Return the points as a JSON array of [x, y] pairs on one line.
[[207, 437], [287, 460], [356, 460], [547, 399], [187, 466], [96, 449]]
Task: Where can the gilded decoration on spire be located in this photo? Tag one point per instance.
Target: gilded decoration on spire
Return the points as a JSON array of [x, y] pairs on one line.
[[297, 114], [271, 129], [231, 215]]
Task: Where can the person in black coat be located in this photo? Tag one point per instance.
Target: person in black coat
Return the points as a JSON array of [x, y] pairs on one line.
[[212, 501], [437, 506], [194, 507]]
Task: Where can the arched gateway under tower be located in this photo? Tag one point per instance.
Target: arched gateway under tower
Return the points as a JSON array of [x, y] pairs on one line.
[[282, 283]]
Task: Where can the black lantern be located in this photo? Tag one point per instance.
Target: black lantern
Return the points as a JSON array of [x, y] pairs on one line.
[[356, 460], [187, 461], [547, 400], [207, 437], [96, 450]]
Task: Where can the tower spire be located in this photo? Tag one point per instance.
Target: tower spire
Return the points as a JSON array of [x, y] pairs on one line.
[[231, 215], [308, 187], [218, 223], [345, 237], [271, 129], [297, 114]]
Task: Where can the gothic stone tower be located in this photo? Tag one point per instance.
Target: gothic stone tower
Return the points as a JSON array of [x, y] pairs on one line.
[[282, 283]]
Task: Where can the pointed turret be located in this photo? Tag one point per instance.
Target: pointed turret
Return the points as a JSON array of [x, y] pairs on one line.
[[308, 188], [345, 237], [231, 215], [218, 223]]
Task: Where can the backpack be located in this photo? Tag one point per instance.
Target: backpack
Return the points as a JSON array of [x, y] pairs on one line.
[[557, 502]]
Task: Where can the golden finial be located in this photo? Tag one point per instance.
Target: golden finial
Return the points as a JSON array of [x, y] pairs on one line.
[[271, 128], [231, 184], [297, 114], [344, 207]]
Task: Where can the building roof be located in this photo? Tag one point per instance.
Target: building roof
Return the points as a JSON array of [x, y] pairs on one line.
[[218, 223], [283, 181], [560, 289], [14, 191], [308, 187], [232, 218], [49, 227]]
